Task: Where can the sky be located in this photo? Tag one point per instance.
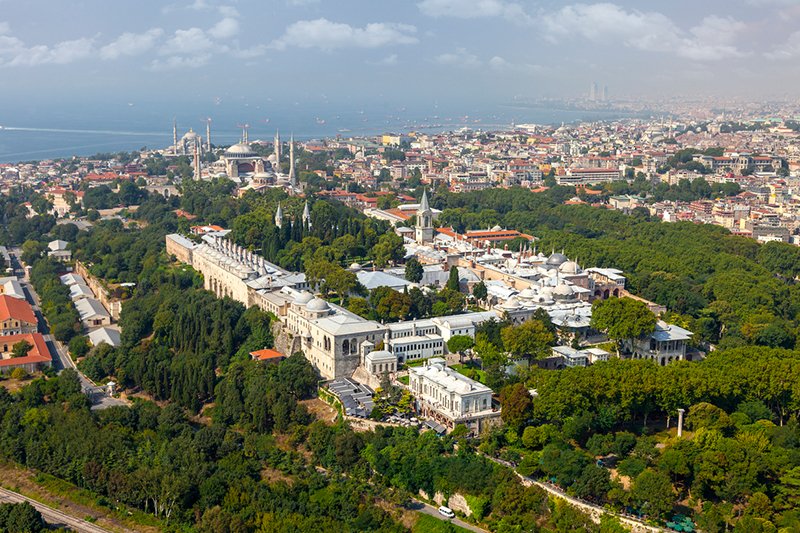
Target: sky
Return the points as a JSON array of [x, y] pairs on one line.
[[85, 53]]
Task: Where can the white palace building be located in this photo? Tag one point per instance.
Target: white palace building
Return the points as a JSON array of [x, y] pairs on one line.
[[335, 340]]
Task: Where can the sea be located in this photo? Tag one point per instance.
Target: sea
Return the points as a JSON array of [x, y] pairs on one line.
[[30, 133]]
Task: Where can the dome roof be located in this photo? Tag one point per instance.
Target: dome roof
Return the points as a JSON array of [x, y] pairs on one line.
[[240, 150], [304, 297], [557, 259], [527, 294], [563, 290], [355, 267], [318, 305], [511, 303], [570, 267], [263, 175]]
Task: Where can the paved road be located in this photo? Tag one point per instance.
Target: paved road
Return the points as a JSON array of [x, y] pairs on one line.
[[100, 399], [52, 516], [421, 507]]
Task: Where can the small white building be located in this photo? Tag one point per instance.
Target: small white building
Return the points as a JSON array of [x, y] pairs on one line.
[[109, 336], [379, 362], [92, 313], [451, 398], [665, 345], [59, 250], [79, 291], [12, 287]]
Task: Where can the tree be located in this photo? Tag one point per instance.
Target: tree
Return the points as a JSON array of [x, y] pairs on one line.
[[593, 484], [479, 291], [414, 270], [622, 318], [653, 493], [21, 348], [388, 249], [516, 404], [460, 343], [530, 339], [453, 281], [78, 346], [21, 518]]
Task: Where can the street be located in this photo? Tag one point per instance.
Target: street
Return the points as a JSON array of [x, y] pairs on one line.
[[62, 359], [421, 507], [52, 516]]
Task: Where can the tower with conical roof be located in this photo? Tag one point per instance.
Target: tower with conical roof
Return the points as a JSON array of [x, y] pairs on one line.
[[279, 216], [424, 227], [292, 177], [306, 216]]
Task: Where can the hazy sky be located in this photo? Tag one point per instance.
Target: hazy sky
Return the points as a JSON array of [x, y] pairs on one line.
[[345, 51]]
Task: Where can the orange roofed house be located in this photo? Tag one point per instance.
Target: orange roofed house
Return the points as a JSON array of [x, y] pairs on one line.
[[37, 357], [16, 316], [494, 235], [267, 355]]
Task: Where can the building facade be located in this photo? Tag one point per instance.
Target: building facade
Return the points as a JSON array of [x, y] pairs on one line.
[[451, 398]]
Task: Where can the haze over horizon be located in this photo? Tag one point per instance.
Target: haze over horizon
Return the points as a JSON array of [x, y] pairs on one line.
[[357, 53]]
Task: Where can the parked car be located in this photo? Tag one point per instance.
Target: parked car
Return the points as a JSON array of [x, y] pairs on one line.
[[447, 512]]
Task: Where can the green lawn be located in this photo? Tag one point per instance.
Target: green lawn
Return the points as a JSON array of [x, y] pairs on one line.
[[429, 524], [403, 380], [471, 372]]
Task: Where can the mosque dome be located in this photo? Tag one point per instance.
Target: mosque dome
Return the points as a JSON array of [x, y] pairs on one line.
[[527, 294], [570, 267], [557, 259], [318, 305], [563, 292], [304, 297], [355, 267], [240, 150], [190, 136], [511, 303]]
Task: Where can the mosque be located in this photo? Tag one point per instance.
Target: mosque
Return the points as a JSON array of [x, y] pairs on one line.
[[240, 162]]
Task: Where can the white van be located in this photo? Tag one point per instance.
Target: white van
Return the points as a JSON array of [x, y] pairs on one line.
[[446, 511]]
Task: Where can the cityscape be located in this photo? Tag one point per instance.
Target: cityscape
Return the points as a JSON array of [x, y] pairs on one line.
[[293, 269]]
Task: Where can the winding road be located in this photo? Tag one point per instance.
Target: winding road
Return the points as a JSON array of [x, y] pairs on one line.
[[424, 508]]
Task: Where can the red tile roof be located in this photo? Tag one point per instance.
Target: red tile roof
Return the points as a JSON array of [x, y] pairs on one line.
[[37, 354], [16, 309], [267, 355]]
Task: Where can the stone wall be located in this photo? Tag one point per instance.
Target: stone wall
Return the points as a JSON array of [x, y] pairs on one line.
[[458, 502], [112, 305]]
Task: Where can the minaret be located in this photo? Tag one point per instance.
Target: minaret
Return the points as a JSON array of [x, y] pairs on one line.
[[279, 216], [424, 227], [197, 160], [175, 136], [208, 135], [307, 216], [292, 177], [277, 149]]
